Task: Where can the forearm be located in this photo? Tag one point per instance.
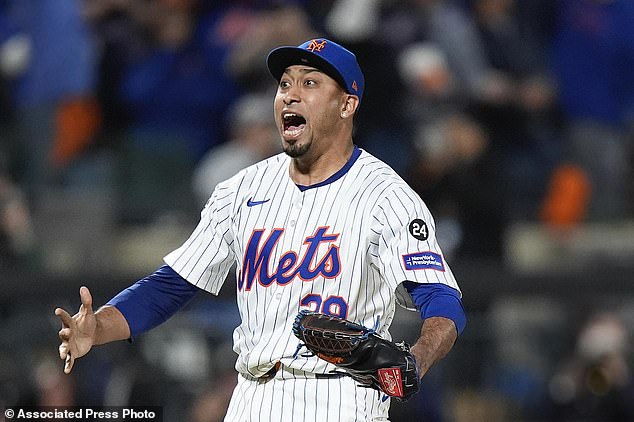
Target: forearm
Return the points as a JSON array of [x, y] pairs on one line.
[[111, 325], [152, 300], [437, 337]]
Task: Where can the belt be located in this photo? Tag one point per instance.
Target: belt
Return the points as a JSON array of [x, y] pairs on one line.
[[278, 365], [271, 373], [331, 375]]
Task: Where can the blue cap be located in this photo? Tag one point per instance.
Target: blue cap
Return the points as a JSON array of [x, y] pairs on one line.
[[325, 55]]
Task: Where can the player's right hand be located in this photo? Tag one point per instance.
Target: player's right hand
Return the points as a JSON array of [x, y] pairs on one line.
[[78, 331]]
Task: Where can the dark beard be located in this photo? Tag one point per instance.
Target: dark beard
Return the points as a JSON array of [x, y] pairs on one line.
[[294, 150]]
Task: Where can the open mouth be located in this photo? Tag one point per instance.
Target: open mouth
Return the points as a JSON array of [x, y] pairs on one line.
[[294, 124]]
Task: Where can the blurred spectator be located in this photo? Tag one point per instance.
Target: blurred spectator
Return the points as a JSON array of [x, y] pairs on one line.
[[566, 201], [12, 46], [175, 90], [527, 333], [54, 388], [517, 106], [252, 137], [595, 384], [428, 20], [17, 240], [179, 88], [593, 59], [51, 60], [211, 405], [259, 29]]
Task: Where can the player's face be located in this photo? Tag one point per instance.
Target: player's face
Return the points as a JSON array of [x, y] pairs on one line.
[[307, 109]]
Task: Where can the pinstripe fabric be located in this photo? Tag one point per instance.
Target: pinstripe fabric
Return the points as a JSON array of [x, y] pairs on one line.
[[297, 397], [363, 216]]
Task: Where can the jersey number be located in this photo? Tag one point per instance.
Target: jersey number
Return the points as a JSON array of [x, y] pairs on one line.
[[333, 305]]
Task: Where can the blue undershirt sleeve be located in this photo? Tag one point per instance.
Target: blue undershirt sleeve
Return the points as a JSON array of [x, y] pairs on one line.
[[437, 300], [153, 299]]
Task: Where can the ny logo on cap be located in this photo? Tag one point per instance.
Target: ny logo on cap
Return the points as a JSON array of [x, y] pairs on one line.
[[316, 46]]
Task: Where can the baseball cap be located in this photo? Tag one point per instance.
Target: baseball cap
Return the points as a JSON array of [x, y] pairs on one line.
[[334, 60]]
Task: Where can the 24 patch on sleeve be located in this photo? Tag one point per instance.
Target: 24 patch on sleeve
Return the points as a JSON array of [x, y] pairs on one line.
[[418, 229], [424, 261]]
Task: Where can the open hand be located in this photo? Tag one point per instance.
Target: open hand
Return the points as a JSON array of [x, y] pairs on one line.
[[78, 332]]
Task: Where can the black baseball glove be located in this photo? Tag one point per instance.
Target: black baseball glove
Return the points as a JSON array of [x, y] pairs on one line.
[[369, 359]]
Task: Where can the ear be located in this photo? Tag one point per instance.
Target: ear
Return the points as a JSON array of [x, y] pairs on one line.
[[349, 106]]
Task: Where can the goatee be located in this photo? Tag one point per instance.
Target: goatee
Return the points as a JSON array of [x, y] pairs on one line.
[[295, 149]]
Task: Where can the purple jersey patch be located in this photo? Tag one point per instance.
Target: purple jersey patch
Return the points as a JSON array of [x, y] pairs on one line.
[[424, 261]]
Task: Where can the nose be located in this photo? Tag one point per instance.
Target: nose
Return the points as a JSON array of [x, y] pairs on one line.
[[291, 96]]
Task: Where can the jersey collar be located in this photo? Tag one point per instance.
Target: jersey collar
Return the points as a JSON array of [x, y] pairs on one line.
[[338, 175]]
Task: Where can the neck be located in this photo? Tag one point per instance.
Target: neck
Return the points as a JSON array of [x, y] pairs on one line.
[[311, 169]]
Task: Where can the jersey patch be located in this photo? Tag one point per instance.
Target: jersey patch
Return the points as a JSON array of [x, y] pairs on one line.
[[424, 261], [418, 229]]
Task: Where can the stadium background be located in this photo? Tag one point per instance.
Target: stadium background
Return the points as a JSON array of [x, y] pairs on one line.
[[513, 119]]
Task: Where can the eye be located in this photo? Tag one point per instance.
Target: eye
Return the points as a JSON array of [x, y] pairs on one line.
[[284, 84], [310, 82]]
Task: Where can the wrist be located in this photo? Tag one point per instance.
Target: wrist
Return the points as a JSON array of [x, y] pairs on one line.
[[97, 333], [421, 361], [110, 326]]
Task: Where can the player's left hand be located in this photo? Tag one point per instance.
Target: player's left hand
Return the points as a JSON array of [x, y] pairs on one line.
[[370, 360], [78, 332]]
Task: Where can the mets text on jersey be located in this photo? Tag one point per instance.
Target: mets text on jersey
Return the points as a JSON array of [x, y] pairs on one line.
[[257, 257]]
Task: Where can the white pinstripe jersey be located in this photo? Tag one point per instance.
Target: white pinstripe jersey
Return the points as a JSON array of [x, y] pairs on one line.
[[340, 247]]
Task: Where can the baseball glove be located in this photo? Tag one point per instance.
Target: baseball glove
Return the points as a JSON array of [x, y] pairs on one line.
[[369, 359]]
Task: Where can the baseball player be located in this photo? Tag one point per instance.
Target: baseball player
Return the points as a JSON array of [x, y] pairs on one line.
[[324, 226]]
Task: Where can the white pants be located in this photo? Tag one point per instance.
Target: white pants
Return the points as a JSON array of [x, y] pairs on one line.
[[288, 397]]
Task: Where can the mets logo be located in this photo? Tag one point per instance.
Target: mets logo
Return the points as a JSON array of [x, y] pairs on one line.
[[316, 46], [257, 259]]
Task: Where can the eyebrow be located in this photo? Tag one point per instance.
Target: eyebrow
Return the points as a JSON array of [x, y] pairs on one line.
[[305, 70]]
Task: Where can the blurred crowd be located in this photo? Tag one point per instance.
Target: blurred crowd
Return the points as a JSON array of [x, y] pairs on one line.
[[127, 113], [495, 111]]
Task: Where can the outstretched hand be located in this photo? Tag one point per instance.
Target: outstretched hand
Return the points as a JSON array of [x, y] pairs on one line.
[[78, 331]]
